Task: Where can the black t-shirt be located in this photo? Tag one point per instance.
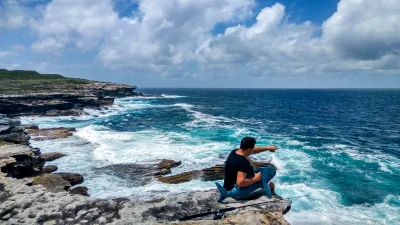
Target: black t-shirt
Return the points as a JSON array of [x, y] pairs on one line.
[[233, 164]]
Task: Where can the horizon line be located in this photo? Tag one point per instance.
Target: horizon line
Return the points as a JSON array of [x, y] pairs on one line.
[[318, 88]]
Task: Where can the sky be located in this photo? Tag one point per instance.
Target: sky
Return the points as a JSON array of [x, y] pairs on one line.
[[207, 43]]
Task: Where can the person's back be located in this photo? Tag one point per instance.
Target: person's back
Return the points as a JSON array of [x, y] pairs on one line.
[[233, 165], [241, 181]]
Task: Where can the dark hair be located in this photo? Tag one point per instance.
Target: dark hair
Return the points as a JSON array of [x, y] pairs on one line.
[[247, 142]]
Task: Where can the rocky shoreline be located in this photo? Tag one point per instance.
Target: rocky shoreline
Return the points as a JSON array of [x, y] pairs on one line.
[[65, 102], [32, 193]]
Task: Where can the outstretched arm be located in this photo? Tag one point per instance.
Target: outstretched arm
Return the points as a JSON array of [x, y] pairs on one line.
[[264, 148]]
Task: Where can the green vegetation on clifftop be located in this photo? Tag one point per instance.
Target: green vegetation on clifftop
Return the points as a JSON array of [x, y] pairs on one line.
[[22, 81]]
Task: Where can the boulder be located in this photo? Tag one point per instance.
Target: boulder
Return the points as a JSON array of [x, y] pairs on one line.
[[31, 127], [182, 177], [50, 133], [52, 182], [20, 161], [73, 178], [49, 169], [80, 190], [52, 156], [139, 174], [168, 164], [14, 135], [6, 122], [69, 112], [208, 174]]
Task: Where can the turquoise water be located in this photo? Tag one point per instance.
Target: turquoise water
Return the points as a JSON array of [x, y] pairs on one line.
[[339, 147]]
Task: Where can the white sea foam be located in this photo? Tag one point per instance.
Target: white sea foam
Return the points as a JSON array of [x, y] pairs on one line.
[[206, 120], [121, 106], [154, 97], [384, 167], [294, 142], [44, 122], [149, 145], [387, 163], [240, 132], [323, 206], [172, 96]]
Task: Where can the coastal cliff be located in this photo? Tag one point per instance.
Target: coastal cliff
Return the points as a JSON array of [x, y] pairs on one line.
[[31, 93], [32, 193]]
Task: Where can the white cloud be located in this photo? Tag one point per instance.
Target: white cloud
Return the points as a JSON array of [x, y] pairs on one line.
[[269, 46], [50, 44], [166, 32], [12, 14], [83, 23], [174, 37], [364, 29], [272, 46]]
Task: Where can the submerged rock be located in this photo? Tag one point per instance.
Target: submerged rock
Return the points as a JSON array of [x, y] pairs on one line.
[[31, 127], [49, 169], [73, 178], [168, 164], [69, 112], [139, 174], [80, 190], [52, 156], [50, 133]]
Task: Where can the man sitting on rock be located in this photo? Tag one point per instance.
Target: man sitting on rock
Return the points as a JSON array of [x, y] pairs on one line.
[[241, 180]]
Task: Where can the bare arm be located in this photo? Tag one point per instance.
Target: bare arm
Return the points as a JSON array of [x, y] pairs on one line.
[[264, 148], [242, 181]]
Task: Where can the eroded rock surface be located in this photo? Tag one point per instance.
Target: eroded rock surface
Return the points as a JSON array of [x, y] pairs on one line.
[[22, 204], [20, 160], [51, 156], [11, 132], [64, 100], [50, 133], [250, 217]]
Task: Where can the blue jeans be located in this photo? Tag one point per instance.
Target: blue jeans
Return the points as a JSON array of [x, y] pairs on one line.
[[252, 191]]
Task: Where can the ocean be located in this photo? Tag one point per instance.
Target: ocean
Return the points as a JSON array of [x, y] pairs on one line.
[[340, 147]]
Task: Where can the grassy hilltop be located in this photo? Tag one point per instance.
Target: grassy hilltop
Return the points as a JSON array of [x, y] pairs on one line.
[[22, 81]]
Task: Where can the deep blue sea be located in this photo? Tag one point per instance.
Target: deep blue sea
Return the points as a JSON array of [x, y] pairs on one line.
[[341, 147]]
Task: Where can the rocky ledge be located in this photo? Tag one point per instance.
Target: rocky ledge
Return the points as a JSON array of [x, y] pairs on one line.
[[49, 133], [70, 102], [25, 204]]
